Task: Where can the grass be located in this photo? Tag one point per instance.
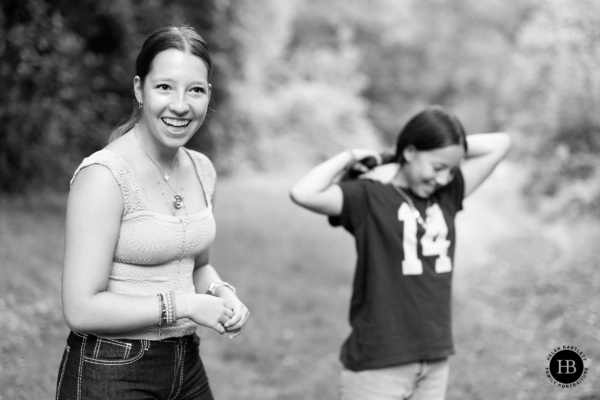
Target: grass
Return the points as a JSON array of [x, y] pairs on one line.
[[522, 287]]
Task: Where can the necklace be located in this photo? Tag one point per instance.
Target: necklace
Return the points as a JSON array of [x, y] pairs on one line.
[[409, 201], [164, 174], [177, 200]]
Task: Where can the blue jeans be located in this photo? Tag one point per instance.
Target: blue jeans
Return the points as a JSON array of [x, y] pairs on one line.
[[424, 380], [94, 368]]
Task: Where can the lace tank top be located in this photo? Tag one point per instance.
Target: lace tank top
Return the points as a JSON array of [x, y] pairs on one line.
[[155, 252]]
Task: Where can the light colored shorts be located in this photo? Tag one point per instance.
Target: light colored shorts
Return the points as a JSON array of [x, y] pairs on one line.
[[425, 380]]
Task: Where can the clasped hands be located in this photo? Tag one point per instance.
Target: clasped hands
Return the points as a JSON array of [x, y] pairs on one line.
[[224, 313]]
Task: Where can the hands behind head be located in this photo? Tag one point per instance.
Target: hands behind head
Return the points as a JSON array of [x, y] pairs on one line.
[[368, 162]]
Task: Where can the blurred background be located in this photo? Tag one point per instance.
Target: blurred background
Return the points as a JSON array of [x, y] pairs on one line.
[[294, 83]]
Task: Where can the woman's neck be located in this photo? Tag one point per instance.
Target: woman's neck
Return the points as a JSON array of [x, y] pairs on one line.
[[162, 155], [401, 179]]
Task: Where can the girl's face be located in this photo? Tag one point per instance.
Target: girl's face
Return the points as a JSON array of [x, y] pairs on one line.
[[427, 171], [175, 96]]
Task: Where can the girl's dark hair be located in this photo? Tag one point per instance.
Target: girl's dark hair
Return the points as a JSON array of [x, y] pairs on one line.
[[430, 129], [184, 38]]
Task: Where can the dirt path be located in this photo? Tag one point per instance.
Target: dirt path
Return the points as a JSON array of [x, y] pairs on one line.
[[515, 298]]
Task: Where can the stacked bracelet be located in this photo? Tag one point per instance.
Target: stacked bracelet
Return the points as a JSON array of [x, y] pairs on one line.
[[212, 288], [167, 312], [171, 310], [161, 308]]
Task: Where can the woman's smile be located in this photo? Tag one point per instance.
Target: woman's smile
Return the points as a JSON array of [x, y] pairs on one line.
[[175, 96], [176, 125]]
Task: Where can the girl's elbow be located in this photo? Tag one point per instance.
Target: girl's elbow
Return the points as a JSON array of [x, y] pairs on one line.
[[77, 319], [297, 197], [74, 321], [505, 144]]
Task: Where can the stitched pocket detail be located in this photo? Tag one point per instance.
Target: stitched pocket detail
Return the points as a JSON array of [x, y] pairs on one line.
[[63, 367], [114, 352]]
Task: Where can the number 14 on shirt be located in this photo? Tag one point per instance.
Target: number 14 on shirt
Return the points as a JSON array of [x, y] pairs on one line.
[[433, 243]]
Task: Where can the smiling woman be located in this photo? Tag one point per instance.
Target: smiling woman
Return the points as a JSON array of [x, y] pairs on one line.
[[174, 98], [136, 277]]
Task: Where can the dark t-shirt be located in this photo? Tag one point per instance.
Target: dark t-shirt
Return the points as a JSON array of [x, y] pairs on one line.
[[400, 310]]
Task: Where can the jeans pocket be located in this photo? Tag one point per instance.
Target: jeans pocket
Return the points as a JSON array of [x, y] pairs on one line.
[[114, 352], [61, 370]]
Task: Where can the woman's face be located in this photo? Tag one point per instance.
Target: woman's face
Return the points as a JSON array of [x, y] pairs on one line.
[[175, 96], [427, 171]]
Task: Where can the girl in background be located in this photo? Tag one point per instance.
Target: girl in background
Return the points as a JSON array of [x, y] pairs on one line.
[[136, 279], [402, 220]]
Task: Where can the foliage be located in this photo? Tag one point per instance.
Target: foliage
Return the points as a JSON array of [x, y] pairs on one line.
[[288, 102], [556, 73], [68, 67], [42, 67], [298, 80]]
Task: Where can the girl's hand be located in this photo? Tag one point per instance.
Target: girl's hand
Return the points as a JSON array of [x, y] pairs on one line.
[[364, 159], [319, 191], [382, 173], [240, 313], [368, 161], [211, 311], [238, 320]]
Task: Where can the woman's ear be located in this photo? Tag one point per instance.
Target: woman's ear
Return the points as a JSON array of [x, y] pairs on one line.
[[409, 153], [137, 89]]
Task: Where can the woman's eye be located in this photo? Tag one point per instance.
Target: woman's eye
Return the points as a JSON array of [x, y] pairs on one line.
[[199, 90], [163, 87]]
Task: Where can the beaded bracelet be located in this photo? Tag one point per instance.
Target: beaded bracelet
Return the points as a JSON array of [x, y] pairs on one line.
[[161, 311], [171, 309], [212, 288], [167, 311]]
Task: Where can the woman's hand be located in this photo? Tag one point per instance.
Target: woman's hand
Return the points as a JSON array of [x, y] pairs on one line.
[[231, 320], [240, 312], [382, 173], [364, 159], [369, 161], [237, 322], [210, 311]]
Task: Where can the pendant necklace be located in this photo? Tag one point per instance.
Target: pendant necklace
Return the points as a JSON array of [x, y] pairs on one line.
[[410, 203], [165, 175], [177, 200]]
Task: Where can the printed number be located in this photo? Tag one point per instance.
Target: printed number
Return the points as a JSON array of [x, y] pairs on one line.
[[433, 243]]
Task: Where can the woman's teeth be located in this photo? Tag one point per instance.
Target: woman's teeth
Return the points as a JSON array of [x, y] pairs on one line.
[[176, 125]]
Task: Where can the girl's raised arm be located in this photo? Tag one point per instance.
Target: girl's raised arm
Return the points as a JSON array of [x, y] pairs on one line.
[[317, 190], [485, 151]]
